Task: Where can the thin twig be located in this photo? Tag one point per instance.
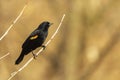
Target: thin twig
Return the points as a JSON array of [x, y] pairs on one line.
[[6, 32], [4, 56], [25, 65]]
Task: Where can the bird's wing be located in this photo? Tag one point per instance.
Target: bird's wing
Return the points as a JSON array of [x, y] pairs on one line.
[[33, 36]]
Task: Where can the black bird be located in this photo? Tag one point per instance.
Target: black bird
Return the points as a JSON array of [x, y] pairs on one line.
[[35, 40]]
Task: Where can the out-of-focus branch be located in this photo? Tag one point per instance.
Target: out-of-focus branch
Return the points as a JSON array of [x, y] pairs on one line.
[[103, 54], [21, 12], [14, 73], [4, 56]]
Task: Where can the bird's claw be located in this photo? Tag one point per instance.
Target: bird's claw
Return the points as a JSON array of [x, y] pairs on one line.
[[34, 55], [43, 47]]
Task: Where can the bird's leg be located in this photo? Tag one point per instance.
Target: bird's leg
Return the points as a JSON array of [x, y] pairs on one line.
[[34, 55], [43, 47]]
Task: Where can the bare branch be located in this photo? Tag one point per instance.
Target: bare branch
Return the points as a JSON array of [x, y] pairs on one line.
[[4, 56], [14, 73], [6, 32]]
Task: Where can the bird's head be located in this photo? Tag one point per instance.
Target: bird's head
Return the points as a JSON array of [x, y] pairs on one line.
[[45, 25]]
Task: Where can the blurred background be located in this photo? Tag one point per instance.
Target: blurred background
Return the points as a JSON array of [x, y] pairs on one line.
[[85, 48]]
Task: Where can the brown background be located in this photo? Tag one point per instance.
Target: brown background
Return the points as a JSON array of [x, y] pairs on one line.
[[87, 46]]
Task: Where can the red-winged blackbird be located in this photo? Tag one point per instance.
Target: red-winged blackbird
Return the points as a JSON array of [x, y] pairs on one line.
[[35, 40]]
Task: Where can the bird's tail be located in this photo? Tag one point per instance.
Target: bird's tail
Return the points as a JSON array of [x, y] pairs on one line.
[[20, 58]]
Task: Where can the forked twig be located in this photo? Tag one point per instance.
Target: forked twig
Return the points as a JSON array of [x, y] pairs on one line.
[[6, 32], [4, 56], [25, 65]]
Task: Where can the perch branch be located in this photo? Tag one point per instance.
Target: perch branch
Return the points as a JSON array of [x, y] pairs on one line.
[[6, 32], [25, 65], [4, 56]]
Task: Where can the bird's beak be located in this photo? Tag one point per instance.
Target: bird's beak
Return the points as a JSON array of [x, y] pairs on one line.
[[51, 24]]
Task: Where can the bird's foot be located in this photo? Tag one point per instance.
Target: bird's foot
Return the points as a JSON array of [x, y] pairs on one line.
[[34, 55], [43, 47]]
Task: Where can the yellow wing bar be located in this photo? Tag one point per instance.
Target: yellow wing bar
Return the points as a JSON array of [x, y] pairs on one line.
[[33, 37]]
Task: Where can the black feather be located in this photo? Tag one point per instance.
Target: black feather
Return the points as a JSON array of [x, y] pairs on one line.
[[35, 40]]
